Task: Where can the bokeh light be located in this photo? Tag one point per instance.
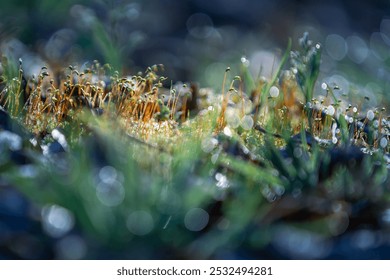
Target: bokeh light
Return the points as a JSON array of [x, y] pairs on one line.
[[196, 219]]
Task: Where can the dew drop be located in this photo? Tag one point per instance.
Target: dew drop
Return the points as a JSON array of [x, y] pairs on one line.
[[245, 62], [330, 110], [383, 142], [247, 122], [232, 118], [227, 131], [222, 181], [295, 70], [246, 105], [370, 115], [274, 92]]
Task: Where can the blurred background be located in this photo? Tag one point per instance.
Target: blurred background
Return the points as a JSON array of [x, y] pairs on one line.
[[197, 39]]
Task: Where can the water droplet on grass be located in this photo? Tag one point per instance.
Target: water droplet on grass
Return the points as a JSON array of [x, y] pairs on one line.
[[383, 143], [245, 62], [246, 105], [71, 248], [274, 92], [60, 138], [232, 118], [227, 131], [330, 110], [57, 220], [215, 157], [222, 181]]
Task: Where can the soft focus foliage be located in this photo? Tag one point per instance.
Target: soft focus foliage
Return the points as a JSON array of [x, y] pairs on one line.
[[284, 156]]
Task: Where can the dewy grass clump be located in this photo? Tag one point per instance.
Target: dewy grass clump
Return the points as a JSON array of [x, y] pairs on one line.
[[131, 169]]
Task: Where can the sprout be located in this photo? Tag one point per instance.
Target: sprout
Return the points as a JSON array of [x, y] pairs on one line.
[[247, 122], [227, 131], [330, 110]]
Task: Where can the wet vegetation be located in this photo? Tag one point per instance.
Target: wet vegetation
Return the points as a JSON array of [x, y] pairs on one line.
[[96, 164]]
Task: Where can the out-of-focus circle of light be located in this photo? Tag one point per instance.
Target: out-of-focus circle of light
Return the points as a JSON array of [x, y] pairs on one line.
[[336, 46], [357, 49]]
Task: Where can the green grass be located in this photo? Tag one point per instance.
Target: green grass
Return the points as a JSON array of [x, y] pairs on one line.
[[133, 179]]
